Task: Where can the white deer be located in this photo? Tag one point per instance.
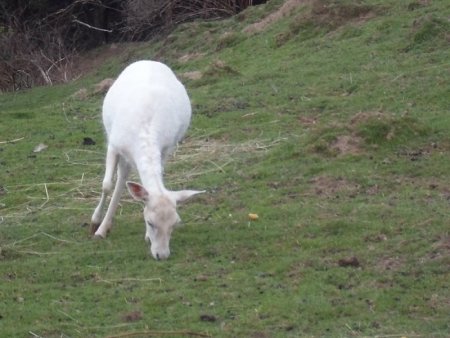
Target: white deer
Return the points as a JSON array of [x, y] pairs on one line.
[[146, 112]]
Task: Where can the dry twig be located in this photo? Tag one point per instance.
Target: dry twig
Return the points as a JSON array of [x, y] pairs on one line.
[[12, 141], [92, 27]]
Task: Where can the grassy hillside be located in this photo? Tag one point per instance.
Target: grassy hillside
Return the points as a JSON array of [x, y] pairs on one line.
[[329, 119]]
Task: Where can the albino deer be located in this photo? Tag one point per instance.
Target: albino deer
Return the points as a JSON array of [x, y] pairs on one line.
[[146, 112]]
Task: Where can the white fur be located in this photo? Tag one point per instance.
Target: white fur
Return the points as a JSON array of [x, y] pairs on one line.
[[146, 112]]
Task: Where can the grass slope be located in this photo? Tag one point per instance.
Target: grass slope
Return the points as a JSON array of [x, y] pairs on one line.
[[331, 123]]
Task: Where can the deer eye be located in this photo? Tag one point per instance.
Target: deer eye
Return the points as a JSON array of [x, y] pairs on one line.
[[151, 225]]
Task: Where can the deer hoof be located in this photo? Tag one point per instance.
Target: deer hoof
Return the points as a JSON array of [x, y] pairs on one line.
[[93, 228]]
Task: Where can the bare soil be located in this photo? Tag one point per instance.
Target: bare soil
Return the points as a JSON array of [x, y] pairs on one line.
[[347, 145], [94, 59], [331, 186], [286, 9]]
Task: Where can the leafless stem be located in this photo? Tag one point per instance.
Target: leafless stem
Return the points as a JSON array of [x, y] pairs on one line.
[[92, 27], [12, 141]]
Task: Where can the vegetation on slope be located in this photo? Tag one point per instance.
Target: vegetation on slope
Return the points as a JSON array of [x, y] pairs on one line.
[[328, 119]]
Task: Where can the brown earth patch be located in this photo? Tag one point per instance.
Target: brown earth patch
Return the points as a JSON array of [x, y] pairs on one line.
[[99, 89], [322, 13], [369, 129], [194, 75], [190, 57], [132, 317], [259, 335], [440, 249], [286, 9], [338, 14], [208, 318], [81, 94], [363, 117], [103, 86], [307, 121], [437, 301], [95, 59], [347, 145], [349, 262], [390, 263], [219, 67], [331, 186]]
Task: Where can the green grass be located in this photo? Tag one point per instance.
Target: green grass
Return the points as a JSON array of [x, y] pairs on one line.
[[331, 124]]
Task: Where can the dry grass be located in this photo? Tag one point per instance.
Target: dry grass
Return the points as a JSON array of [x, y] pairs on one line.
[[204, 156], [197, 156]]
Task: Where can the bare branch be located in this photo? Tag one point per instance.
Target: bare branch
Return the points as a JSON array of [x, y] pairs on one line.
[[92, 27], [12, 141]]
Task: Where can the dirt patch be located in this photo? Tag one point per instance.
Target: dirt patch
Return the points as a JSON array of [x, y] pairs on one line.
[[208, 318], [337, 14], [215, 69], [99, 89], [378, 128], [286, 9], [81, 94], [323, 17], [259, 335], [194, 75], [363, 117], [390, 264], [219, 67], [352, 262], [103, 86], [190, 57], [331, 186], [440, 249], [132, 317], [418, 4], [349, 137], [93, 60], [347, 145], [307, 121]]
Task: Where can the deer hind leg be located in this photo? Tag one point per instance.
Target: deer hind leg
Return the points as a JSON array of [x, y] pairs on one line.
[[165, 154], [111, 164], [122, 174]]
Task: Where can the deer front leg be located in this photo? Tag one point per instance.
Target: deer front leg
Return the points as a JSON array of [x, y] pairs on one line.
[[106, 225], [107, 186]]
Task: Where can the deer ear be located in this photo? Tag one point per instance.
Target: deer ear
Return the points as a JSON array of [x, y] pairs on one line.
[[137, 191], [183, 195]]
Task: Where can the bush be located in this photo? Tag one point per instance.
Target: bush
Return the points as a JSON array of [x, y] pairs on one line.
[[40, 39]]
